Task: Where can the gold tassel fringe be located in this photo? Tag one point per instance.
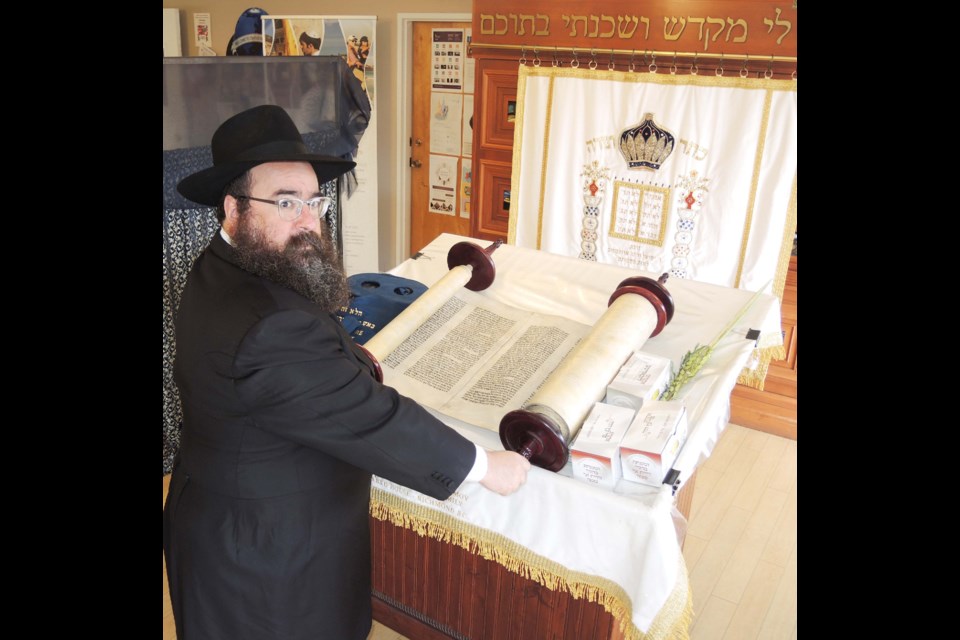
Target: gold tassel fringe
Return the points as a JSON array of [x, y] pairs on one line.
[[672, 622], [754, 377], [675, 618]]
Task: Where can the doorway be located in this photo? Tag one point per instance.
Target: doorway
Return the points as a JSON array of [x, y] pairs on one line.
[[434, 191]]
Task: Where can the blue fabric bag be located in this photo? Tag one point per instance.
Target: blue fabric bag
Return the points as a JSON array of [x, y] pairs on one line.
[[375, 300]]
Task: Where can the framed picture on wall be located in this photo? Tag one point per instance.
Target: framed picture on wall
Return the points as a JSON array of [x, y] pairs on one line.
[[350, 37], [295, 36]]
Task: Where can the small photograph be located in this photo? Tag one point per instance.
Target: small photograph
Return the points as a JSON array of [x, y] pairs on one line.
[[348, 38], [295, 36], [357, 37]]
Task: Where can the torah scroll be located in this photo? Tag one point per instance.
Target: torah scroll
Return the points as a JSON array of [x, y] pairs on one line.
[[470, 267], [542, 430], [543, 425]]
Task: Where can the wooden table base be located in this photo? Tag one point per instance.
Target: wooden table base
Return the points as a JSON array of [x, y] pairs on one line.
[[431, 590]]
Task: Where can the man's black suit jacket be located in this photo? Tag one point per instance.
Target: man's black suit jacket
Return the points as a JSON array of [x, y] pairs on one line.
[[266, 530]]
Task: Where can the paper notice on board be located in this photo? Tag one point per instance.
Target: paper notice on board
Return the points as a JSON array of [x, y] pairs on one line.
[[467, 129], [469, 66], [448, 58], [466, 180], [445, 110], [201, 30], [443, 185]]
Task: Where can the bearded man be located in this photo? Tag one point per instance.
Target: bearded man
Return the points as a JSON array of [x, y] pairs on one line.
[[265, 528]]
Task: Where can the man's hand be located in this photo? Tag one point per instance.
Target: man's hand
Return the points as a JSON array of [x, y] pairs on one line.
[[506, 471]]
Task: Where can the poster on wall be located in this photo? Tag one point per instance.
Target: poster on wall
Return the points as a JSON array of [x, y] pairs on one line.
[[443, 185], [201, 29], [448, 60], [445, 111], [295, 36], [466, 179], [467, 141], [469, 67], [352, 38]]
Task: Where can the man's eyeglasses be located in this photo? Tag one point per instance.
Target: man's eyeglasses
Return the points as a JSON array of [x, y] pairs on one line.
[[289, 207]]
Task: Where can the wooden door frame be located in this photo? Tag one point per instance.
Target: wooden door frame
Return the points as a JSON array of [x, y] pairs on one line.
[[401, 243]]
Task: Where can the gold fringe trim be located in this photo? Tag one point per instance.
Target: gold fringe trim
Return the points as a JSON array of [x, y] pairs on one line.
[[671, 623], [771, 347], [543, 164], [515, 160], [754, 183], [676, 616], [754, 377], [786, 246]]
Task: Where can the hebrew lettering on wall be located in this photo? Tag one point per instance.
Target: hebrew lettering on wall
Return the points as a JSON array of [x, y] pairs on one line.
[[631, 30]]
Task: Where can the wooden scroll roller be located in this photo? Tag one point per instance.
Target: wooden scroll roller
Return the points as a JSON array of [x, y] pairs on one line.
[[470, 266], [542, 430]]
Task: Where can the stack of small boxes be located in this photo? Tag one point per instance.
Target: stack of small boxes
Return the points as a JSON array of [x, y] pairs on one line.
[[644, 377], [595, 453], [631, 435], [652, 442]]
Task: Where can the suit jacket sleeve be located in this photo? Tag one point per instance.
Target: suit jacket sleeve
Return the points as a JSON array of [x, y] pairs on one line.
[[297, 381]]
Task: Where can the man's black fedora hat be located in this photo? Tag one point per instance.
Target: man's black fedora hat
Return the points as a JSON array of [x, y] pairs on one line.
[[261, 134]]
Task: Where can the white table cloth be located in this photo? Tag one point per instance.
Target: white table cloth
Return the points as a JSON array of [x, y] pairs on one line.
[[619, 547]]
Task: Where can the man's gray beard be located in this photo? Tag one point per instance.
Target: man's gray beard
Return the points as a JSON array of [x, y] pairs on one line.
[[308, 264]]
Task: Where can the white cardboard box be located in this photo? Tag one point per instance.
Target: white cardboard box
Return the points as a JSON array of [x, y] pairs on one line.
[[652, 442], [595, 453], [171, 33], [644, 377]]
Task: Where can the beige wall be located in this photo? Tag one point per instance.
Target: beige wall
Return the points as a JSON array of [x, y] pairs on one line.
[[223, 19]]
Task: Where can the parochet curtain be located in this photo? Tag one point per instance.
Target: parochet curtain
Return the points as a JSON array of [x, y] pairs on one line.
[[694, 175]]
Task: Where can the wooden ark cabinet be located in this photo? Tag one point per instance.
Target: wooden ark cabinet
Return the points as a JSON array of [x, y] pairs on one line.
[[774, 409], [496, 48], [495, 104]]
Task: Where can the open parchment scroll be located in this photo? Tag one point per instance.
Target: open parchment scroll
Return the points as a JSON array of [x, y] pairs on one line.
[[475, 359]]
